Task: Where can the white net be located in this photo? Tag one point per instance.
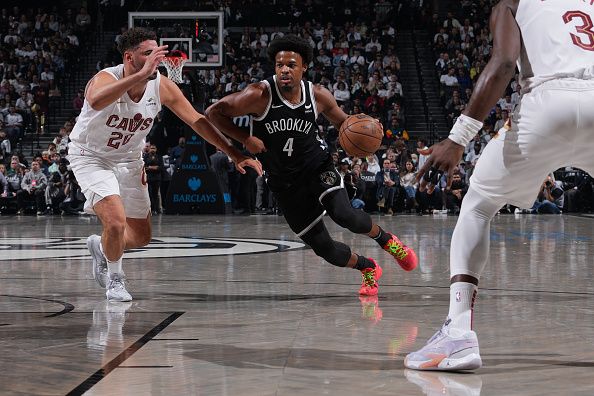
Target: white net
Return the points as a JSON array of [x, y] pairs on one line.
[[174, 66]]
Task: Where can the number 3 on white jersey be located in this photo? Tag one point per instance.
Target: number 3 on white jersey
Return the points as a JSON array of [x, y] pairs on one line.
[[289, 147]]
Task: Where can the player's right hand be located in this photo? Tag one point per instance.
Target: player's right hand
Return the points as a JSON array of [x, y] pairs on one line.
[[153, 61], [254, 145], [444, 156]]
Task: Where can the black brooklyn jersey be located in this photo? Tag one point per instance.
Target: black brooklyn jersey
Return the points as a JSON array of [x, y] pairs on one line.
[[290, 135]]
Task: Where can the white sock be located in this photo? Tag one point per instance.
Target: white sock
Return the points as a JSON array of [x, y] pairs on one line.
[[462, 296], [112, 266]]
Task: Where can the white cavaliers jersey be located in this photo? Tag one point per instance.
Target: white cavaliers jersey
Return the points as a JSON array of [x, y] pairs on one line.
[[557, 40], [118, 131]]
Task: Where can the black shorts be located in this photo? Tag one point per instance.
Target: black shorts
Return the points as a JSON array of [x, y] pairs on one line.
[[302, 203]]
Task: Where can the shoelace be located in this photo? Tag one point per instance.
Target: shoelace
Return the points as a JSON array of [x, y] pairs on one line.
[[369, 278], [435, 336], [396, 249], [439, 334], [116, 282]]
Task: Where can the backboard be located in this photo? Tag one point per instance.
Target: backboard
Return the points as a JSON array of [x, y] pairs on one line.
[[198, 34]]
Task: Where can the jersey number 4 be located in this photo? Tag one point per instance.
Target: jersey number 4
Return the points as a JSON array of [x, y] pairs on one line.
[[586, 38], [289, 147], [114, 141]]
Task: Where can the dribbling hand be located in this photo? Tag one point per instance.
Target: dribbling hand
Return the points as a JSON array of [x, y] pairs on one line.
[[153, 61]]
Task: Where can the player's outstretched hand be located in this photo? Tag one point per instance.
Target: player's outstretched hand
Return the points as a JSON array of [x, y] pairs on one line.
[[252, 163], [153, 60], [254, 145], [444, 156]]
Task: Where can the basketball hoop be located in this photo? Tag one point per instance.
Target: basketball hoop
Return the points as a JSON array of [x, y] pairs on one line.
[[174, 63]]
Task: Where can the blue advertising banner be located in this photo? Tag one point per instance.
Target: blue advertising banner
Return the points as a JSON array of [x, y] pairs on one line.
[[194, 187]]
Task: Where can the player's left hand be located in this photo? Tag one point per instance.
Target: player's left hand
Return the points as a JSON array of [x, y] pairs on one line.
[[252, 163], [445, 157]]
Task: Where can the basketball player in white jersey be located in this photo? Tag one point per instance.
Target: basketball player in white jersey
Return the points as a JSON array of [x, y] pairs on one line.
[[552, 42], [105, 152]]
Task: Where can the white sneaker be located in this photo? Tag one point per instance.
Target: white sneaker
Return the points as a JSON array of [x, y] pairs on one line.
[[449, 350], [99, 261], [440, 384], [116, 288]]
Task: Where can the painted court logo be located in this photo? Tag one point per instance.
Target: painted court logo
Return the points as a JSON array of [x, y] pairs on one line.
[[162, 247]]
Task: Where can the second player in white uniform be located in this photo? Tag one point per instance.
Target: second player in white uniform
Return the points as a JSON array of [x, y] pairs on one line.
[[106, 151], [553, 44], [106, 148]]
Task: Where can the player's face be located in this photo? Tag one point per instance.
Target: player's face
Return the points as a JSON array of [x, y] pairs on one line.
[[137, 57], [289, 69]]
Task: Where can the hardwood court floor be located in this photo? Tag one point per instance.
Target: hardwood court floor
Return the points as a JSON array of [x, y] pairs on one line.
[[237, 306]]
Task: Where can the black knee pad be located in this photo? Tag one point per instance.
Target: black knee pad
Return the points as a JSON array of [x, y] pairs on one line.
[[339, 208]]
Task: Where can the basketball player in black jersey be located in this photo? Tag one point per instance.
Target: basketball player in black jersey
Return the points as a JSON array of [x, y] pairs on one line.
[[284, 136]]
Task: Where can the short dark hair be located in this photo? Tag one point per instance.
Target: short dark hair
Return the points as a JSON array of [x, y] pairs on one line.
[[133, 37], [290, 43]]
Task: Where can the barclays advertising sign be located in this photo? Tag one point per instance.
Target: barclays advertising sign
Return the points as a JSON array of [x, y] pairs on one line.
[[194, 187]]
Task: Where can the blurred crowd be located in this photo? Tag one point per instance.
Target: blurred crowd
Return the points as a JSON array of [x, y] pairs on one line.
[[355, 58]]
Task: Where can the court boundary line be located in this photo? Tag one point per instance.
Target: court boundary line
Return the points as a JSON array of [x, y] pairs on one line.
[[67, 306]]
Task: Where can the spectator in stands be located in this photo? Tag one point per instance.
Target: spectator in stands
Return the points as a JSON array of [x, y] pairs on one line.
[[550, 198], [54, 193], [3, 181], [358, 185], [5, 146], [176, 153], [454, 107], [153, 164], [449, 79], [61, 141], [24, 102], [341, 94], [14, 176], [506, 103], [83, 21], [408, 182], [392, 133], [78, 101], [502, 118], [13, 125], [429, 200], [455, 193], [74, 202], [55, 160], [421, 149], [386, 180], [47, 74], [474, 154], [33, 188]]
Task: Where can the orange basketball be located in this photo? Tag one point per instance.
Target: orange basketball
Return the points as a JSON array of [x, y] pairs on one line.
[[360, 135]]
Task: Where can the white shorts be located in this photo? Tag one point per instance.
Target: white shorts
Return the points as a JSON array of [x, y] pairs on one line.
[[552, 127], [99, 178]]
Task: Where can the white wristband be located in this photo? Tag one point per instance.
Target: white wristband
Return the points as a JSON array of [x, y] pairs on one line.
[[464, 130]]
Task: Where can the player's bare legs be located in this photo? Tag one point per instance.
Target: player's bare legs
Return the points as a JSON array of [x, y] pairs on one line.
[[119, 233]]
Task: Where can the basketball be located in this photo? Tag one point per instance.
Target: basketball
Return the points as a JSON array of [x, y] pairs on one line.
[[360, 135]]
